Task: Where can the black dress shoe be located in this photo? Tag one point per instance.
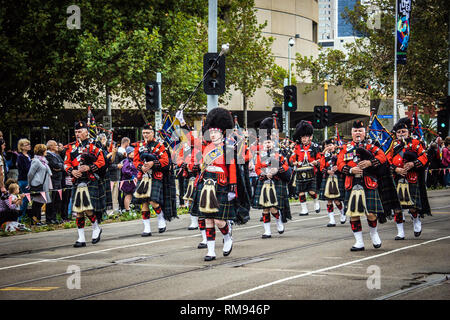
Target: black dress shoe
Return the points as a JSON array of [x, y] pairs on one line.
[[416, 234], [376, 246], [162, 230], [79, 244], [210, 258], [303, 214], [202, 246], [399, 238], [331, 225], [192, 228], [266, 236], [227, 253], [357, 249], [281, 232], [96, 240], [146, 234]]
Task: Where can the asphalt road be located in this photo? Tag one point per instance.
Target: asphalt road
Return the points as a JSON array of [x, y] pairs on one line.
[[308, 261]]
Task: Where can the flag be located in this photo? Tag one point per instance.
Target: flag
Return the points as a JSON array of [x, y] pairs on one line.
[[379, 133], [417, 128], [403, 30], [338, 138], [91, 123], [168, 133]]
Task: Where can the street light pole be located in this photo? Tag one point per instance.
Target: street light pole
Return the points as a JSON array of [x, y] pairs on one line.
[[212, 100], [325, 103], [286, 113]]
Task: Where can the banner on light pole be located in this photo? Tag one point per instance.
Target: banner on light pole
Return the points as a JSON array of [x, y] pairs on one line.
[[403, 29]]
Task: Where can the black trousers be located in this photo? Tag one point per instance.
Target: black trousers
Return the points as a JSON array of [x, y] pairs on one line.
[[36, 210], [54, 207], [9, 215]]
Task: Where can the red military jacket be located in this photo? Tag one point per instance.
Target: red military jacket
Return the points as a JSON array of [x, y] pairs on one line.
[[156, 148], [260, 165], [345, 162], [74, 152], [397, 154], [311, 152], [226, 173]]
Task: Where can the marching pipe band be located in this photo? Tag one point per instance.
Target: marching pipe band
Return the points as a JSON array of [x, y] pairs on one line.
[[353, 177]]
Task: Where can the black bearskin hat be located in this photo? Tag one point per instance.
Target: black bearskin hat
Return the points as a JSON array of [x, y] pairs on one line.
[[219, 118], [147, 126], [403, 123], [266, 124], [303, 128]]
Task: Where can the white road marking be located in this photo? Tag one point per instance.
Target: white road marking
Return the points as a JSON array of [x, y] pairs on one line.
[[329, 268], [136, 245]]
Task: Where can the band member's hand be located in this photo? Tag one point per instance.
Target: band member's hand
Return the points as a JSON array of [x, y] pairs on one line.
[[315, 163], [401, 171], [364, 164], [83, 168], [295, 163], [273, 171], [334, 168], [408, 166], [356, 170], [231, 196], [330, 172], [269, 175], [76, 173]]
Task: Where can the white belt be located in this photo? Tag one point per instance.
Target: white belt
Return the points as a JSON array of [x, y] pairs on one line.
[[214, 169]]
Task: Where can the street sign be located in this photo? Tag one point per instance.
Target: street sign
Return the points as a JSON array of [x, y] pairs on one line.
[[385, 116]]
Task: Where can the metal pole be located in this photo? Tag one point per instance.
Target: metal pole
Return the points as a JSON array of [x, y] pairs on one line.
[[212, 100], [108, 109], [325, 103], [395, 65], [158, 114], [286, 113]]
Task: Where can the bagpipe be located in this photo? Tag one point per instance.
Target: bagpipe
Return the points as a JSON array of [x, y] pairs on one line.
[[404, 196], [331, 185], [357, 200], [144, 189], [268, 196]]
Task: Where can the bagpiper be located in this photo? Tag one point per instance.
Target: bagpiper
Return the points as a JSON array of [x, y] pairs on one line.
[[271, 194], [358, 161], [408, 159], [82, 162], [215, 185], [332, 186], [152, 161], [306, 162]]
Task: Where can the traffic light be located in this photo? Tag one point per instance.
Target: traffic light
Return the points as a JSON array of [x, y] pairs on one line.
[[290, 98], [326, 115], [152, 96], [214, 82], [317, 117], [278, 111], [442, 122]]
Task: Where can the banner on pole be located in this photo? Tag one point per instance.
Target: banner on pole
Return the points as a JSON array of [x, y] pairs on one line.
[[402, 27], [379, 133]]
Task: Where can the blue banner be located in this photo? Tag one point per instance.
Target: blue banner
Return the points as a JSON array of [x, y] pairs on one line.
[[379, 133], [168, 133], [403, 29]]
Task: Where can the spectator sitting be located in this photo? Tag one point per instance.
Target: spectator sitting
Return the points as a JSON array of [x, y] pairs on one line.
[[9, 209]]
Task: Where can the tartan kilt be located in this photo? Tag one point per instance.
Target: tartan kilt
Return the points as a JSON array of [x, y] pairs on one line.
[[156, 195], [305, 186], [281, 191], [373, 201], [96, 193], [341, 187], [169, 205], [414, 192], [227, 209]]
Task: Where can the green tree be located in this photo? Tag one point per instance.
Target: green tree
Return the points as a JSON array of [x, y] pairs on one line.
[[370, 59]]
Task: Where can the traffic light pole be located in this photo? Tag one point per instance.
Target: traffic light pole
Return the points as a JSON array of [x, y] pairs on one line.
[[325, 103], [286, 113], [158, 114], [212, 100]]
